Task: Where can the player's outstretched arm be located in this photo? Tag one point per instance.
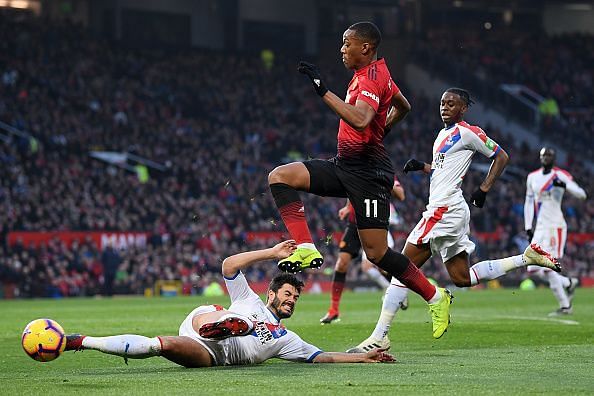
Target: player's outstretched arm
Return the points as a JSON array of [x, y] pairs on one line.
[[243, 260], [374, 356]]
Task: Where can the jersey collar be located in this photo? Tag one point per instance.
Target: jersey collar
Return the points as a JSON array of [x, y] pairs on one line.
[[363, 70]]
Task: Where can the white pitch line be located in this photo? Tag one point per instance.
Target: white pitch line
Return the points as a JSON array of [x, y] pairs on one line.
[[563, 321]]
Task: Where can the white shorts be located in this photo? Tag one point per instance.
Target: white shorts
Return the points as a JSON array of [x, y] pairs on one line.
[[216, 349], [446, 229], [550, 239]]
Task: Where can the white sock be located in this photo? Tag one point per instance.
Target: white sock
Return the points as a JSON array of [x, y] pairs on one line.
[[126, 345], [436, 297], [377, 277], [307, 245], [395, 294], [556, 285], [492, 269]]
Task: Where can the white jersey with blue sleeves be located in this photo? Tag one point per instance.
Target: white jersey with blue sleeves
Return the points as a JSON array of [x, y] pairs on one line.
[[452, 154]]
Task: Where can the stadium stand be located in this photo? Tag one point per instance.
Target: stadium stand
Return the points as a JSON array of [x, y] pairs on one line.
[[218, 123]]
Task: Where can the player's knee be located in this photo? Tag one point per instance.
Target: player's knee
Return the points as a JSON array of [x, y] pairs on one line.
[[341, 267], [374, 255], [280, 174], [274, 176], [461, 280]]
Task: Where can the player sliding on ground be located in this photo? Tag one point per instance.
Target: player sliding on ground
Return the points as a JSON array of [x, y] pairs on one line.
[[248, 332], [361, 171], [444, 227]]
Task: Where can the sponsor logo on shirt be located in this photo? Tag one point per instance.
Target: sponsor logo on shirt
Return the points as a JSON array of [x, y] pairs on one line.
[[490, 144], [370, 95], [438, 160]]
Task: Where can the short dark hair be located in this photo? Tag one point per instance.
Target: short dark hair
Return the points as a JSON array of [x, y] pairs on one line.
[[278, 281], [463, 94], [367, 31]]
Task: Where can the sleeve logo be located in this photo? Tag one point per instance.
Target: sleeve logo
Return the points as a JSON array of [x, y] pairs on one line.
[[370, 95], [490, 144]]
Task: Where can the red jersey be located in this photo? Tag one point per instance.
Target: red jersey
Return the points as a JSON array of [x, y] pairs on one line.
[[374, 85]]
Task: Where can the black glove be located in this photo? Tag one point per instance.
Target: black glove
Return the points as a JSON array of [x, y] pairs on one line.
[[478, 198], [413, 165], [311, 71], [530, 234], [559, 183]]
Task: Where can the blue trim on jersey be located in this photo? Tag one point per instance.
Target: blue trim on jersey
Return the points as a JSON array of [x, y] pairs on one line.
[[313, 356], [234, 276], [497, 150], [448, 145]]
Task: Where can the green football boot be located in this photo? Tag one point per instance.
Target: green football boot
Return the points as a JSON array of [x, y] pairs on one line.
[[301, 259], [440, 313]]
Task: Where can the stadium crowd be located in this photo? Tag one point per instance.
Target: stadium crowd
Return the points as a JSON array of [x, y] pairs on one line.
[[218, 123]]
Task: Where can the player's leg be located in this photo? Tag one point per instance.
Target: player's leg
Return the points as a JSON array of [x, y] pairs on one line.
[[185, 352], [493, 269], [374, 273], [222, 324], [178, 349], [396, 294], [338, 281], [553, 239], [349, 246], [317, 177]]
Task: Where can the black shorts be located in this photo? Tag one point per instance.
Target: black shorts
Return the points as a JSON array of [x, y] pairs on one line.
[[350, 242], [368, 189]]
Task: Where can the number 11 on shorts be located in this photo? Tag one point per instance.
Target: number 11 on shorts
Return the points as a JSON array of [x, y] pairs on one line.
[[368, 204]]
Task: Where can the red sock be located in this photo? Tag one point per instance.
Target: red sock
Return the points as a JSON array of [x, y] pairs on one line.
[[337, 288], [293, 216], [415, 280], [292, 211]]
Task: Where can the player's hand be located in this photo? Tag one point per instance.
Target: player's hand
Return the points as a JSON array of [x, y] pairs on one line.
[[311, 71], [413, 165], [530, 234], [379, 355], [478, 198], [344, 212], [559, 183], [284, 249]]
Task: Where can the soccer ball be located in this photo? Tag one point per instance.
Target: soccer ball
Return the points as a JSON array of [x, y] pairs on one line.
[[43, 340]]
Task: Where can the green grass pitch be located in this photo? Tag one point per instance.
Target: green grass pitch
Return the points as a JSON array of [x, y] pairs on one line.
[[499, 342]]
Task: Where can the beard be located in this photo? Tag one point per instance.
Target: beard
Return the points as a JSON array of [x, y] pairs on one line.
[[276, 304]]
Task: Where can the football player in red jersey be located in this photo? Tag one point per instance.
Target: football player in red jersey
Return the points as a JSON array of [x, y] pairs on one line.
[[361, 171]]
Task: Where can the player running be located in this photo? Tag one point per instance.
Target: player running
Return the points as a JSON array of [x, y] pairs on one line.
[[350, 246], [544, 193], [444, 227], [361, 171], [249, 332]]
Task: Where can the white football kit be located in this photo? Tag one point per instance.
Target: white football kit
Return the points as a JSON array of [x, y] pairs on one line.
[[543, 200], [445, 222], [269, 339]]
